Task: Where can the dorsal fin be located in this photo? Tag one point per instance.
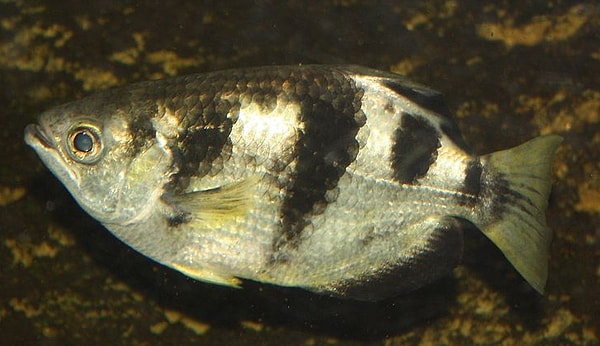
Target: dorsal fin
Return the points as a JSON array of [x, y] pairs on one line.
[[430, 100]]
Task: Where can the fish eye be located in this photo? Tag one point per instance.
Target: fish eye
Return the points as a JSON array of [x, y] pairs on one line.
[[83, 141], [84, 144]]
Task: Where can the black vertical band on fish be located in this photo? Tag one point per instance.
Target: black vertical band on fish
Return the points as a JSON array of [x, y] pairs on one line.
[[471, 188], [414, 150], [330, 117]]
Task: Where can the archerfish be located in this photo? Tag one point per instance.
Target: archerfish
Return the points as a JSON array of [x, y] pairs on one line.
[[339, 179]]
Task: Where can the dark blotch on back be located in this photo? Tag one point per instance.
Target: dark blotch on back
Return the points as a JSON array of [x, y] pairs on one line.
[[414, 150], [141, 128], [206, 121], [137, 101]]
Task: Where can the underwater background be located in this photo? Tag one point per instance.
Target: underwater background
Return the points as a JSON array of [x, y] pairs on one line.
[[509, 71]]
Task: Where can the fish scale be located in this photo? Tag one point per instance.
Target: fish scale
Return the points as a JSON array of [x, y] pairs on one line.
[[343, 180]]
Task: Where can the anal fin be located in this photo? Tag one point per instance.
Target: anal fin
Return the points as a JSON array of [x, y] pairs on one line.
[[207, 275], [415, 267]]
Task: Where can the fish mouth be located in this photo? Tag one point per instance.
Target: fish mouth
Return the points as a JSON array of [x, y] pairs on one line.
[[48, 150], [35, 135]]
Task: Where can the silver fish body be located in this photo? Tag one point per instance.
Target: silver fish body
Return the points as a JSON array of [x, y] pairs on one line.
[[338, 179]]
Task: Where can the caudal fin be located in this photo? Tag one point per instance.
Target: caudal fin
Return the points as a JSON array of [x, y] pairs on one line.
[[516, 182]]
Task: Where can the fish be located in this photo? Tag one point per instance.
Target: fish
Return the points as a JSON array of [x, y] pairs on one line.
[[339, 179]]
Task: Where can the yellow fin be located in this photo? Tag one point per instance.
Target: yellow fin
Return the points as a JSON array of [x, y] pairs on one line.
[[207, 275], [219, 205], [522, 234]]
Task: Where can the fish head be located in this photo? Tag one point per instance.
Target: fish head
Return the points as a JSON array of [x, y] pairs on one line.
[[113, 170]]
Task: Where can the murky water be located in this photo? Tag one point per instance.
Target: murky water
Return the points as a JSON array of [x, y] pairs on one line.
[[509, 72]]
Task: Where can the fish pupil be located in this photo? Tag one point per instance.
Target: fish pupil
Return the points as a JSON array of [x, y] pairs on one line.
[[84, 142]]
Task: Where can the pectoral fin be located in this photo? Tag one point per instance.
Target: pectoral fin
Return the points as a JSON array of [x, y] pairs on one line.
[[217, 206]]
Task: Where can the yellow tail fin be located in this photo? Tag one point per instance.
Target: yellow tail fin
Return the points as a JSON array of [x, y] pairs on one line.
[[518, 184]]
